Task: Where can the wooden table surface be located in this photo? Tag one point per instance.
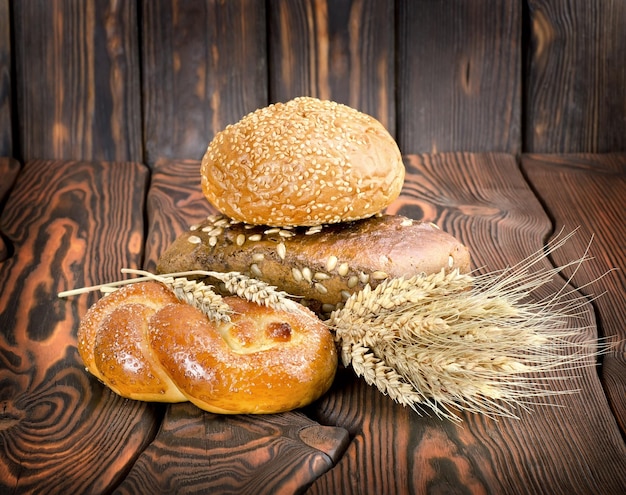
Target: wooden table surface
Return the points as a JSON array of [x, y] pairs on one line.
[[67, 224]]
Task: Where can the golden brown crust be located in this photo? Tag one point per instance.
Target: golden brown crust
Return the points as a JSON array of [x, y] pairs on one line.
[[263, 362], [145, 344], [113, 343], [320, 264], [304, 162]]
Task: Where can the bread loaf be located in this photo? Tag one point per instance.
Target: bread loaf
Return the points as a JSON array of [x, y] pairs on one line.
[[145, 344], [322, 264], [303, 162]]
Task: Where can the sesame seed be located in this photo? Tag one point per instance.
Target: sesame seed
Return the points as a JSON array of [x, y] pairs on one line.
[[194, 239], [352, 281], [255, 237], [345, 295], [272, 231], [307, 275], [212, 241], [257, 257], [379, 275], [240, 240], [364, 278], [321, 276]]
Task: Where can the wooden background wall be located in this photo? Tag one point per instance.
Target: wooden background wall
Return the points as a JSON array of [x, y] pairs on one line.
[[140, 80]]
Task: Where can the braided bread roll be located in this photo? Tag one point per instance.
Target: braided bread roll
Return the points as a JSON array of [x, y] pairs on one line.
[[145, 344]]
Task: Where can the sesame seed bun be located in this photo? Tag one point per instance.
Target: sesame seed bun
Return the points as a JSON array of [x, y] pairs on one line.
[[305, 162]]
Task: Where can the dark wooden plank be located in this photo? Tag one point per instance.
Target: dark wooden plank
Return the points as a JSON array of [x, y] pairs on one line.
[[6, 98], [204, 66], [197, 452], [459, 73], [591, 197], [72, 224], [175, 202], [9, 168], [570, 445], [78, 80], [336, 50], [575, 98]]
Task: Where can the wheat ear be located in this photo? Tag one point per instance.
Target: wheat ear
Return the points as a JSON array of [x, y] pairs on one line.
[[479, 343], [197, 293]]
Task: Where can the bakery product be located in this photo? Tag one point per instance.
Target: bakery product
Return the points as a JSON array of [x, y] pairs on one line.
[[145, 344], [113, 343], [321, 265], [303, 162]]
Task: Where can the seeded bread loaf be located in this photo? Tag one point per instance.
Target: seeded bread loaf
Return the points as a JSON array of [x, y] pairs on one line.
[[303, 162], [321, 264]]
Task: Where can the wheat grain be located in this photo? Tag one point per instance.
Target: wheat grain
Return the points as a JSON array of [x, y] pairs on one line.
[[256, 291], [201, 296]]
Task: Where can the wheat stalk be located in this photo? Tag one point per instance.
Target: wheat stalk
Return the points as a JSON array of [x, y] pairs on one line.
[[449, 340], [257, 291], [201, 295]]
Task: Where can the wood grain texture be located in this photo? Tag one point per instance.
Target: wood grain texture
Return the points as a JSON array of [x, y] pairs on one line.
[[72, 224], [459, 76], [570, 445], [77, 80], [9, 169], [588, 193], [198, 452], [575, 98], [6, 97], [175, 202], [47, 399], [204, 66], [335, 50]]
